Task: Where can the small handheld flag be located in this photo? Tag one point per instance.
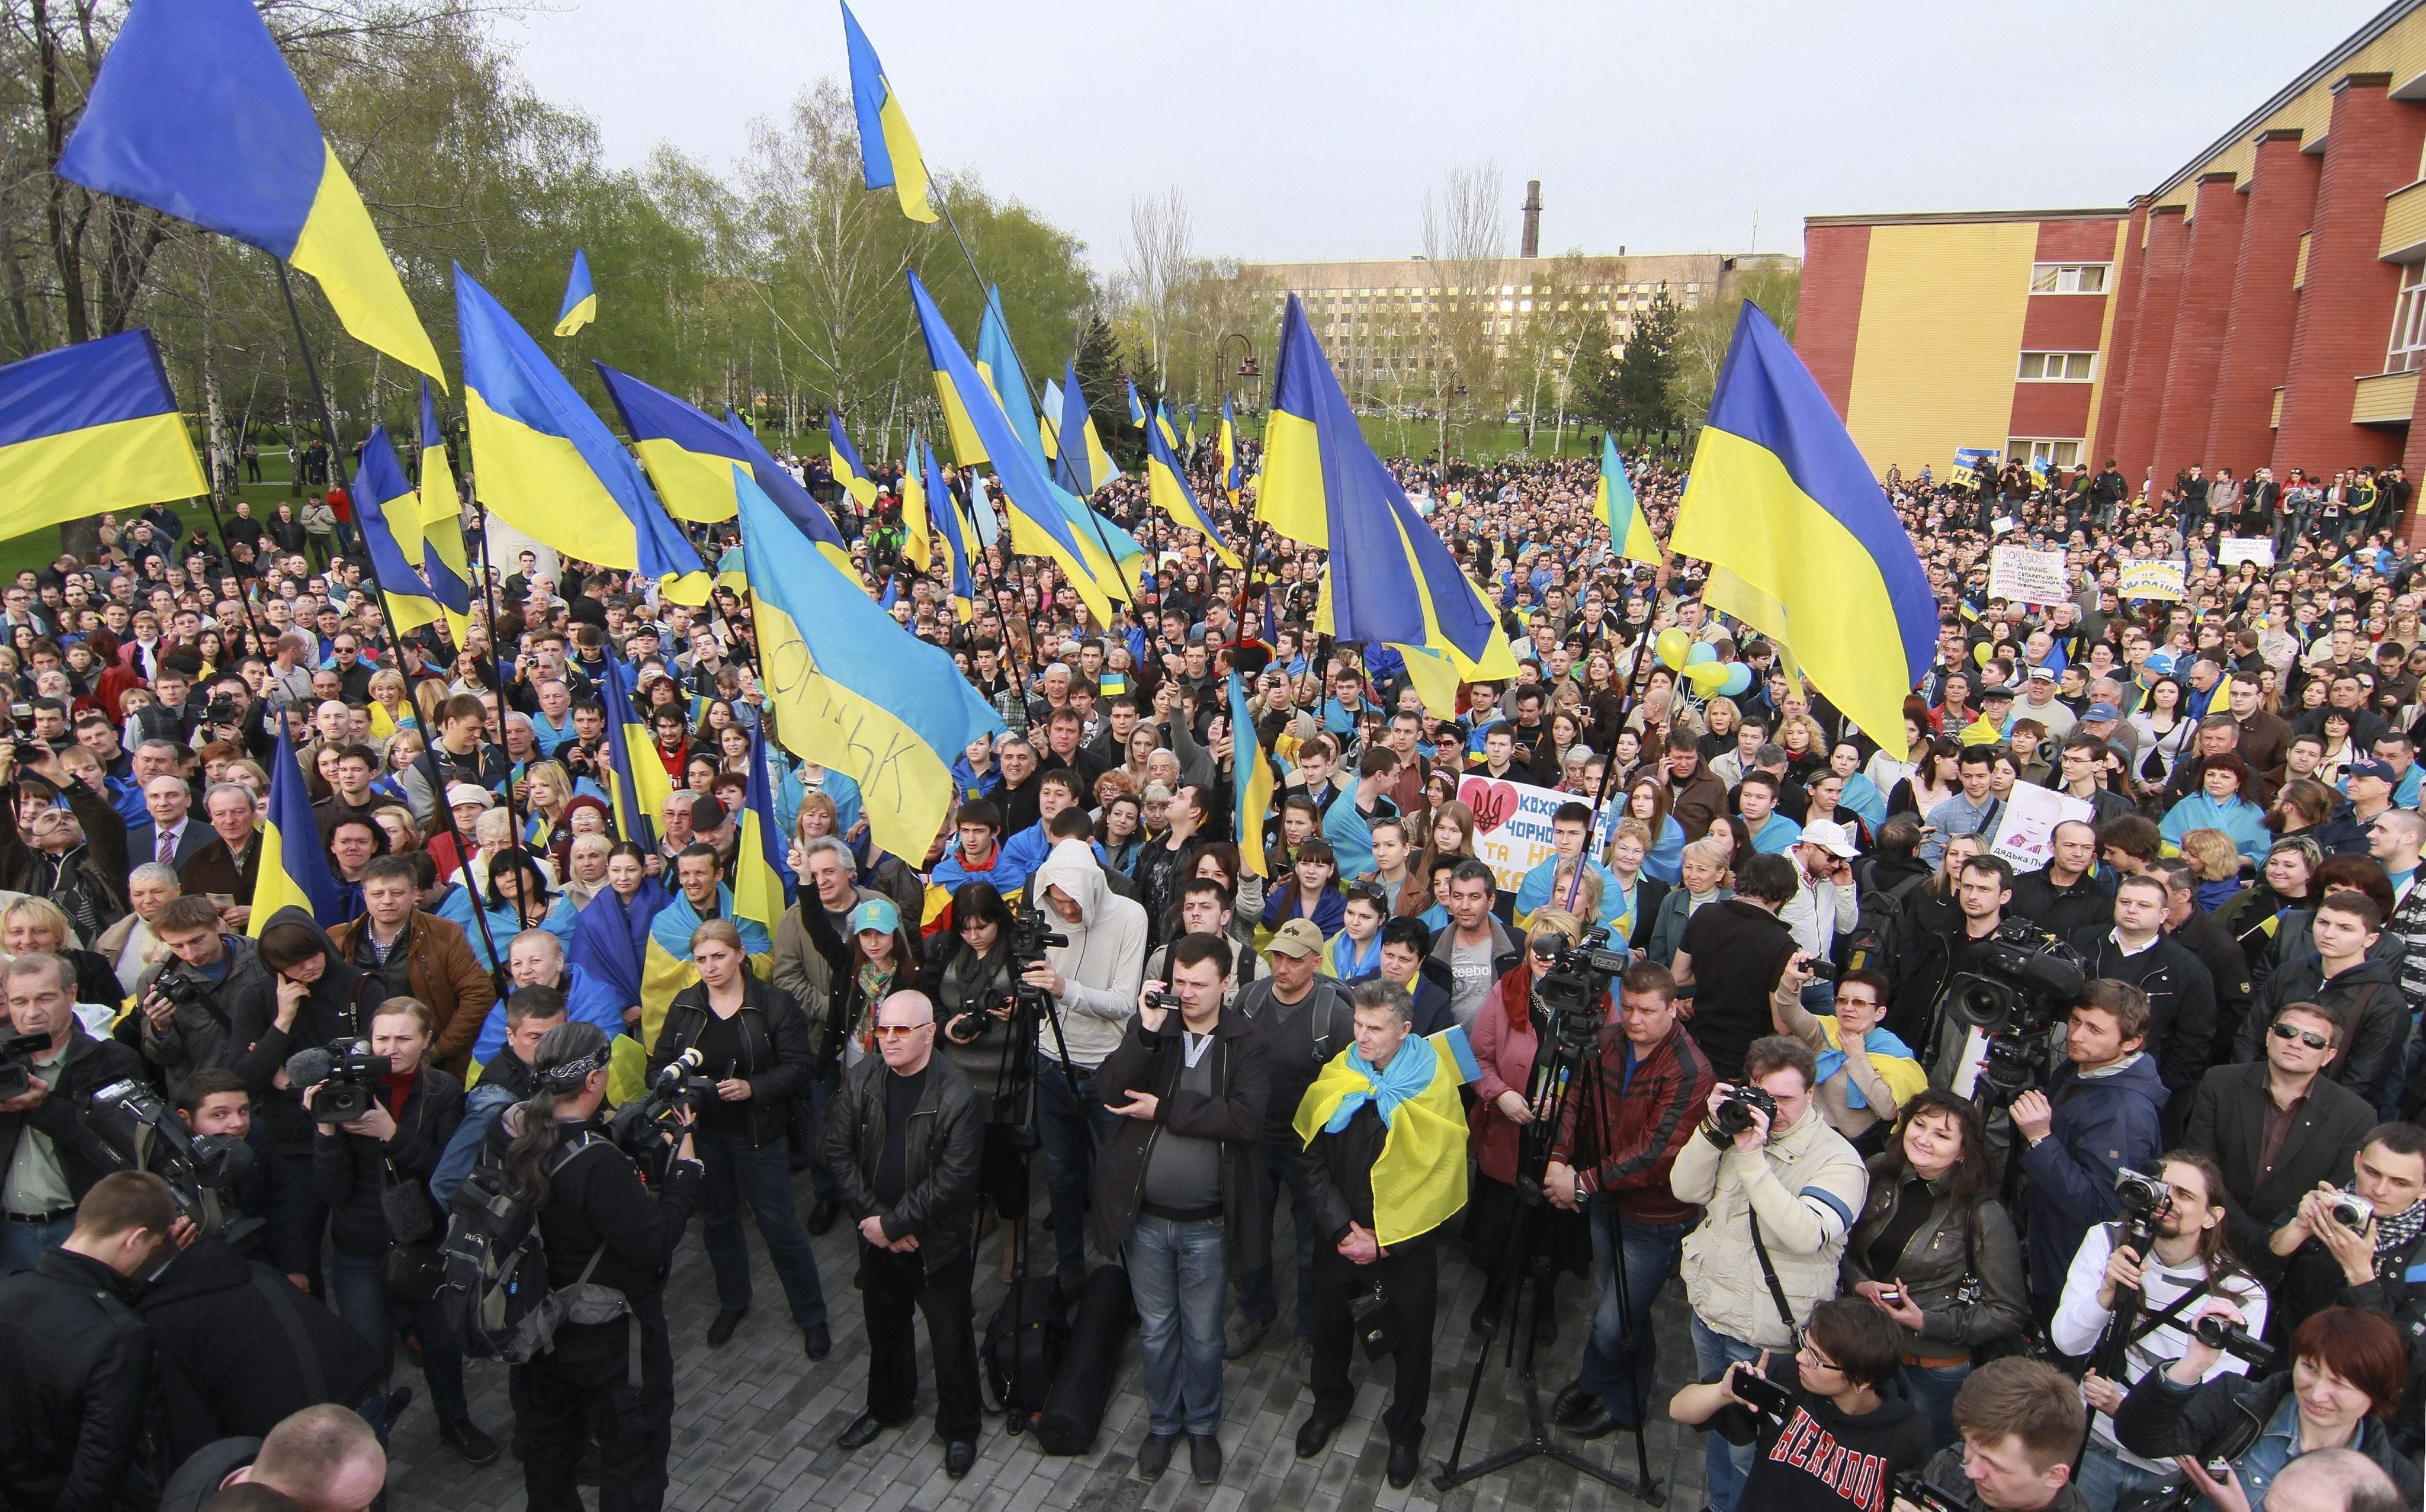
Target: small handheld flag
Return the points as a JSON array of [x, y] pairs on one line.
[[294, 866], [580, 297], [1251, 781]]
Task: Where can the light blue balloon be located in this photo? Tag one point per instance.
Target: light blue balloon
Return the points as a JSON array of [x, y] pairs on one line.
[[1702, 652], [1738, 679]]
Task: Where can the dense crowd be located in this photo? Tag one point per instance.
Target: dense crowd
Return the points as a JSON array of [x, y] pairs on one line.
[[2000, 1164]]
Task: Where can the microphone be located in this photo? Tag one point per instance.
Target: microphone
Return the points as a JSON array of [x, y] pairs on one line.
[[308, 1068]]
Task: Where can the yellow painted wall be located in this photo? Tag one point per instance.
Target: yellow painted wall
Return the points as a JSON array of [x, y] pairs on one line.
[[1934, 366]]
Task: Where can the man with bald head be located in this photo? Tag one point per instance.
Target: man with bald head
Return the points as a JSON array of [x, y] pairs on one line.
[[321, 1459], [167, 835], [912, 1194]]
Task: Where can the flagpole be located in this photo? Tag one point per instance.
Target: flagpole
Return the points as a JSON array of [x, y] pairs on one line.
[[489, 601]]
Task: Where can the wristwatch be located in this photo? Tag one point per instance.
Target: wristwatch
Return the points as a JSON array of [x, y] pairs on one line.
[[1580, 1192]]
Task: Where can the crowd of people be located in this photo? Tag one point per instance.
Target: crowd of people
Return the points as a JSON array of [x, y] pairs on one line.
[[2067, 1186]]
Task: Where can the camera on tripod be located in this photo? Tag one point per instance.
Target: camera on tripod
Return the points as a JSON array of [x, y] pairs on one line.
[[17, 1053], [192, 1164], [1032, 934], [642, 1129], [2025, 985], [1570, 981], [344, 1074]]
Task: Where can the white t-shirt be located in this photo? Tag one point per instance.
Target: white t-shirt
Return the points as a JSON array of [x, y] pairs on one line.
[[1470, 965]]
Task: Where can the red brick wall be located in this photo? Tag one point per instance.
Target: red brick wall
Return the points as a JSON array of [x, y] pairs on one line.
[[2050, 410], [2129, 279], [2346, 308], [2152, 343], [2198, 326], [2282, 196], [1828, 322]]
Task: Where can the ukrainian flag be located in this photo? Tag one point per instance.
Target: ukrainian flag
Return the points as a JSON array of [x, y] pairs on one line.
[[641, 786], [580, 297], [1167, 486], [1162, 423], [1083, 469], [666, 964], [763, 883], [1137, 411], [689, 457], [998, 364], [917, 542], [1113, 559], [1780, 495], [550, 466], [1419, 1181], [1250, 781], [196, 114], [1048, 421], [798, 505], [294, 867], [1191, 430], [849, 469], [1231, 474], [1039, 526], [1391, 578], [1614, 505], [852, 690], [888, 154], [440, 504], [379, 486], [90, 427], [947, 529]]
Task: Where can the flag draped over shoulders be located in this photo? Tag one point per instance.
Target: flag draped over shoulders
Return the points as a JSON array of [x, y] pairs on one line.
[[1419, 1182], [666, 966]]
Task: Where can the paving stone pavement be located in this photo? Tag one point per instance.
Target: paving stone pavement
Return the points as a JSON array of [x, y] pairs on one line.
[[754, 1422]]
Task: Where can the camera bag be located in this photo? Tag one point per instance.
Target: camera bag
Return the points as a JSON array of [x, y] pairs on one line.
[[496, 1294], [1026, 1342], [1082, 1388]]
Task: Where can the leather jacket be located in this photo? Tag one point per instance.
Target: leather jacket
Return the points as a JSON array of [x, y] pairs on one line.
[[1961, 1267], [775, 1058], [940, 1156]]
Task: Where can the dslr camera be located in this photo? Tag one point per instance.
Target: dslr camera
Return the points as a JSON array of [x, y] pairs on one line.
[[647, 1129], [17, 1053], [1928, 1496], [1734, 1112], [2025, 986], [344, 1072], [198, 1167], [179, 991]]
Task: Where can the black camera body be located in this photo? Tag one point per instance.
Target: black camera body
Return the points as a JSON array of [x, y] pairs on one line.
[[1928, 1496], [2024, 987], [195, 1167], [344, 1073], [2218, 1332], [1032, 934], [648, 1129], [179, 991], [1569, 984], [1734, 1115], [17, 1053]]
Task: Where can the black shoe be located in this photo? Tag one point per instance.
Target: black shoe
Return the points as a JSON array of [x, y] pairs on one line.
[[1204, 1457], [862, 1432], [1572, 1401], [397, 1401], [816, 1341], [727, 1319], [1485, 1317], [1153, 1455], [822, 1217], [465, 1437], [1313, 1434], [1596, 1421], [960, 1456], [1406, 1457]]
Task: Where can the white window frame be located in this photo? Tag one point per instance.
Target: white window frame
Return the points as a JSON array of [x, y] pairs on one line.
[[2060, 451], [2066, 278], [2405, 352], [2057, 367]]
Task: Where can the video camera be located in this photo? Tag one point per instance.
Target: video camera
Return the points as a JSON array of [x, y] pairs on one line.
[[642, 1129], [2218, 1332], [344, 1072], [2025, 985], [1032, 934], [1569, 984], [194, 1165], [1928, 1496], [17, 1053]]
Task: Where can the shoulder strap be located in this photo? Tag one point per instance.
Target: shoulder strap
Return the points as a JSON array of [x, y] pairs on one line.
[[1777, 1292], [281, 1306], [2168, 1314]]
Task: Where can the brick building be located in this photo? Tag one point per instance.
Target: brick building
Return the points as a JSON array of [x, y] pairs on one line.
[[2264, 305]]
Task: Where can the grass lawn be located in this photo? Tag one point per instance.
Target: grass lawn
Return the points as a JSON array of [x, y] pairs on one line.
[[40, 548]]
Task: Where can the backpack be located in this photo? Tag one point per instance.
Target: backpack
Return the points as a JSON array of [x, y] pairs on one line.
[[1025, 1343], [496, 1296]]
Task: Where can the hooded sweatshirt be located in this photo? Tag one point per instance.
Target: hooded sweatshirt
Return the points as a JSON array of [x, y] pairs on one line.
[[335, 1007], [1102, 966]]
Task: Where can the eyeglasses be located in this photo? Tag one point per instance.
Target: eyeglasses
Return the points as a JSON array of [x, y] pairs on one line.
[[891, 1030], [2306, 1037], [1809, 1356]]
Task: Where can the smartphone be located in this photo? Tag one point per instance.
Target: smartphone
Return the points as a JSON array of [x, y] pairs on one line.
[[1891, 1296]]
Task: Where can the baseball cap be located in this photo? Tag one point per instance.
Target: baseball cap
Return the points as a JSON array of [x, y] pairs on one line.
[[2369, 766], [1829, 834], [1298, 938], [464, 792], [2102, 712], [2040, 674], [878, 914]]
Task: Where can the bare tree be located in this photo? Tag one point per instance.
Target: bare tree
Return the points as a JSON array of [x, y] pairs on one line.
[[1159, 240], [1464, 237]]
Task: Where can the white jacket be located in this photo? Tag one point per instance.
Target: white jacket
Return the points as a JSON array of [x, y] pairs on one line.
[[1808, 1186], [1103, 965]]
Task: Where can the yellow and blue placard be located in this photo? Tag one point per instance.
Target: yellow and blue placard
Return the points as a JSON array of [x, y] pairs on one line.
[[888, 153], [580, 296], [90, 427]]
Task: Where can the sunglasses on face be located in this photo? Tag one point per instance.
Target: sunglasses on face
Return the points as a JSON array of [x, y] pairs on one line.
[[2306, 1037]]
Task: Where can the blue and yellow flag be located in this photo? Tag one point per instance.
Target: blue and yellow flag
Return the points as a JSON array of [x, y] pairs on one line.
[[1250, 781], [1082, 469], [1780, 495], [1419, 1181], [1969, 461], [888, 154], [1040, 527], [689, 457], [849, 469], [1137, 411], [1192, 431], [550, 466], [852, 690], [443, 561], [666, 964], [196, 114], [1167, 486], [1162, 423], [1614, 505], [917, 542], [90, 427], [1232, 474], [1112, 556], [1390, 578], [793, 498], [381, 496], [641, 785], [580, 297], [732, 572], [294, 866], [762, 884], [998, 364], [1048, 421], [955, 544]]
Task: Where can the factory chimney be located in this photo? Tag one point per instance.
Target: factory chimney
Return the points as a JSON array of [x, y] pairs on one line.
[[1532, 243]]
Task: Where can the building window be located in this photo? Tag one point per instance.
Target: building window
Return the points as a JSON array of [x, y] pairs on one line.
[[2068, 278], [2052, 452], [2058, 367], [2407, 352]]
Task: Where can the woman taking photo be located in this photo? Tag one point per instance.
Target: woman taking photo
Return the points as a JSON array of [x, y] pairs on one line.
[[1934, 1250]]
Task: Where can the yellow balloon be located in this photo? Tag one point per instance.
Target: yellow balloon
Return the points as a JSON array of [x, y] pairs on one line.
[[1707, 677], [1982, 653], [1674, 646]]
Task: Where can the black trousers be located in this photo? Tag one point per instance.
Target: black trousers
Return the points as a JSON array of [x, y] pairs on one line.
[[579, 1390], [894, 1287], [1410, 1275]]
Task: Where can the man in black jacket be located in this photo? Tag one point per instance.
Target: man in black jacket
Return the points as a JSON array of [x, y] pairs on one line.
[[901, 1141], [2181, 996], [2195, 929], [2342, 974], [2375, 1269], [2068, 893], [50, 1154], [75, 1361], [2278, 1126]]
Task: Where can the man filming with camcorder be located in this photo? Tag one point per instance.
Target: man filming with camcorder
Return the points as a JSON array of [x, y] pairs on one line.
[[2099, 1113], [50, 1067], [2021, 1424]]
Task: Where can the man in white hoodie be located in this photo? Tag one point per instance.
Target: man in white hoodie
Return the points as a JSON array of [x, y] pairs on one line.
[[1093, 981]]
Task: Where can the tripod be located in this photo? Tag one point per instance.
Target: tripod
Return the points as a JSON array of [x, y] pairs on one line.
[[1566, 1079]]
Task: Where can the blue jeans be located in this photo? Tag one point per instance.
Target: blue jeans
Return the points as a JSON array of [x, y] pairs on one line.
[[1620, 1335], [1070, 1129], [2104, 1477], [1256, 1299], [360, 1291], [1818, 997], [24, 1245], [763, 1178], [1175, 1278], [1931, 1388], [1726, 1464]]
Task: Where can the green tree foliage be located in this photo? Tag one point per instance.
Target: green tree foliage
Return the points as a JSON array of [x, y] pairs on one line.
[[1648, 370], [1595, 399], [1707, 330]]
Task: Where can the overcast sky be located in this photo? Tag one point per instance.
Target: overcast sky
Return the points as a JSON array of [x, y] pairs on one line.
[[1312, 129]]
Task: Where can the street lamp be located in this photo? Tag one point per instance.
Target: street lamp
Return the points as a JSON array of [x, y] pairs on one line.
[[1248, 366]]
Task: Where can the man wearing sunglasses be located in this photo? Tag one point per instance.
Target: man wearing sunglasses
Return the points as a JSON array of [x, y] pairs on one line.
[[2279, 1126]]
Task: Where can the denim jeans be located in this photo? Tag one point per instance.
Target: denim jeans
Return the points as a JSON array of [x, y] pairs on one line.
[[1256, 1299], [1620, 1335], [763, 1178], [1931, 1388], [24, 1245], [1175, 1278], [1725, 1465], [360, 1290], [1071, 1129], [2104, 1476]]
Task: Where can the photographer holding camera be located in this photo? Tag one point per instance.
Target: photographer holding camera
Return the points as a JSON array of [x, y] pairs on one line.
[[2100, 1113], [2366, 1246], [50, 1154], [1767, 1168], [184, 999], [2189, 1259]]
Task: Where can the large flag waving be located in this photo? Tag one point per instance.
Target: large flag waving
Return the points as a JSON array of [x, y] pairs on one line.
[[382, 497], [196, 114], [294, 866], [917, 532], [580, 297], [641, 785], [852, 690], [790, 496], [689, 457], [849, 469], [763, 883], [947, 519], [1614, 505], [1780, 495], [888, 154], [1167, 486], [442, 525], [550, 466], [90, 427]]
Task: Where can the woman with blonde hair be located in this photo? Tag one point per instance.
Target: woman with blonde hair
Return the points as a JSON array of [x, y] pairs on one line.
[[547, 788], [391, 705], [1702, 879], [2216, 861], [586, 868], [36, 926]]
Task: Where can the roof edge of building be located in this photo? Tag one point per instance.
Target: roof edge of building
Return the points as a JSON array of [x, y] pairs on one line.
[[1968, 218]]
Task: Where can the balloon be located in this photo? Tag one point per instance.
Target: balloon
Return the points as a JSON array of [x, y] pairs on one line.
[[1673, 646], [1982, 653], [1738, 679], [1707, 677], [1702, 652]]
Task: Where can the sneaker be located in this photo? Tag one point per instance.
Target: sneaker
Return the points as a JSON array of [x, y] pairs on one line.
[[1245, 1333]]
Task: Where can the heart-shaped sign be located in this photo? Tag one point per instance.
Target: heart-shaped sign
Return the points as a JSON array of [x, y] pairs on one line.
[[1493, 803]]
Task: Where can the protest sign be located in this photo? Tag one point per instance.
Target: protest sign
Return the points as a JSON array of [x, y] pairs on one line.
[[2021, 575], [2150, 580], [2238, 549], [1511, 824], [2025, 834]]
